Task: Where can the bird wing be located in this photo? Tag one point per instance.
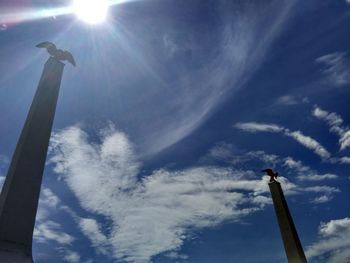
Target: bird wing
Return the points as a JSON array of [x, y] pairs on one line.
[[46, 44], [69, 57], [268, 170]]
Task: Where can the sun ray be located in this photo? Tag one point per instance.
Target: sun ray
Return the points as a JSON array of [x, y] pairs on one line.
[[14, 16], [24, 15]]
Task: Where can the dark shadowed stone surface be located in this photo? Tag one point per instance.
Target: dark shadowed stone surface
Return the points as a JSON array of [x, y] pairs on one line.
[[292, 245], [21, 190]]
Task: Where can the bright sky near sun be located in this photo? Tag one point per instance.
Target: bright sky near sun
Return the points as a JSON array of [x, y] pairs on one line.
[[173, 109], [91, 11]]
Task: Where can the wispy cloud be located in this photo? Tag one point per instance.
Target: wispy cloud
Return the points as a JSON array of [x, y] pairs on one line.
[[157, 213], [344, 160], [335, 122], [309, 143], [287, 100], [92, 230], [305, 173], [321, 189], [300, 171], [237, 55], [336, 68], [298, 136], [48, 230], [71, 256], [317, 177], [321, 199], [334, 243], [51, 231], [48, 201], [258, 127]]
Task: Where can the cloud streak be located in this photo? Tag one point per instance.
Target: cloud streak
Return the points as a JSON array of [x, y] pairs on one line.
[[255, 127], [336, 68], [200, 87], [335, 123], [298, 136]]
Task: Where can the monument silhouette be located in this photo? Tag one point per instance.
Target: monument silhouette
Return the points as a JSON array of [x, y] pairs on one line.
[[291, 241], [20, 193]]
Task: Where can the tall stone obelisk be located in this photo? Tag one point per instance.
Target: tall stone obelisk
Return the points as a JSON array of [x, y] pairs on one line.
[[21, 190], [292, 244]]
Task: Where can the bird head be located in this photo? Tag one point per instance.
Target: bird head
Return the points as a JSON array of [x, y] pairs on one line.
[[269, 171]]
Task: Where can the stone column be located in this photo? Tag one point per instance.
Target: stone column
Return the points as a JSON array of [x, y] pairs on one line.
[[21, 190], [292, 245]]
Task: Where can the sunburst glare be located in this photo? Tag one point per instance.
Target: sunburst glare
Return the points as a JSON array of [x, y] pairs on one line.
[[91, 11]]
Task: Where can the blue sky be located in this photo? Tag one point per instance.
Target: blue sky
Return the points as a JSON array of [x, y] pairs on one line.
[[173, 109]]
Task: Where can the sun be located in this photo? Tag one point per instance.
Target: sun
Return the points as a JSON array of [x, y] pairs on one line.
[[91, 11]]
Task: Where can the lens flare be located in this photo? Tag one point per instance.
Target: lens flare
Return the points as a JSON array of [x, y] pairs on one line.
[[91, 11]]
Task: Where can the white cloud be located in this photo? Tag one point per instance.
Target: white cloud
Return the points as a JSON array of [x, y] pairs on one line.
[[317, 177], [176, 255], [336, 68], [298, 170], [287, 100], [296, 165], [335, 227], [258, 127], [47, 230], [345, 160], [198, 93], [267, 158], [292, 167], [321, 199], [335, 123], [306, 174], [71, 256], [304, 140], [91, 229], [342, 255], [332, 118], [51, 231], [157, 213], [221, 151], [321, 189], [49, 198], [47, 201], [344, 141], [334, 243], [309, 143]]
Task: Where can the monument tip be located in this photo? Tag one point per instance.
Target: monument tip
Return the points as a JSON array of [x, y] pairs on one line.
[[59, 54], [271, 173]]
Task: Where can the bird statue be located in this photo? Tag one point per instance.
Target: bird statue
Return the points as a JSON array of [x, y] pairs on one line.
[[57, 53], [272, 174]]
